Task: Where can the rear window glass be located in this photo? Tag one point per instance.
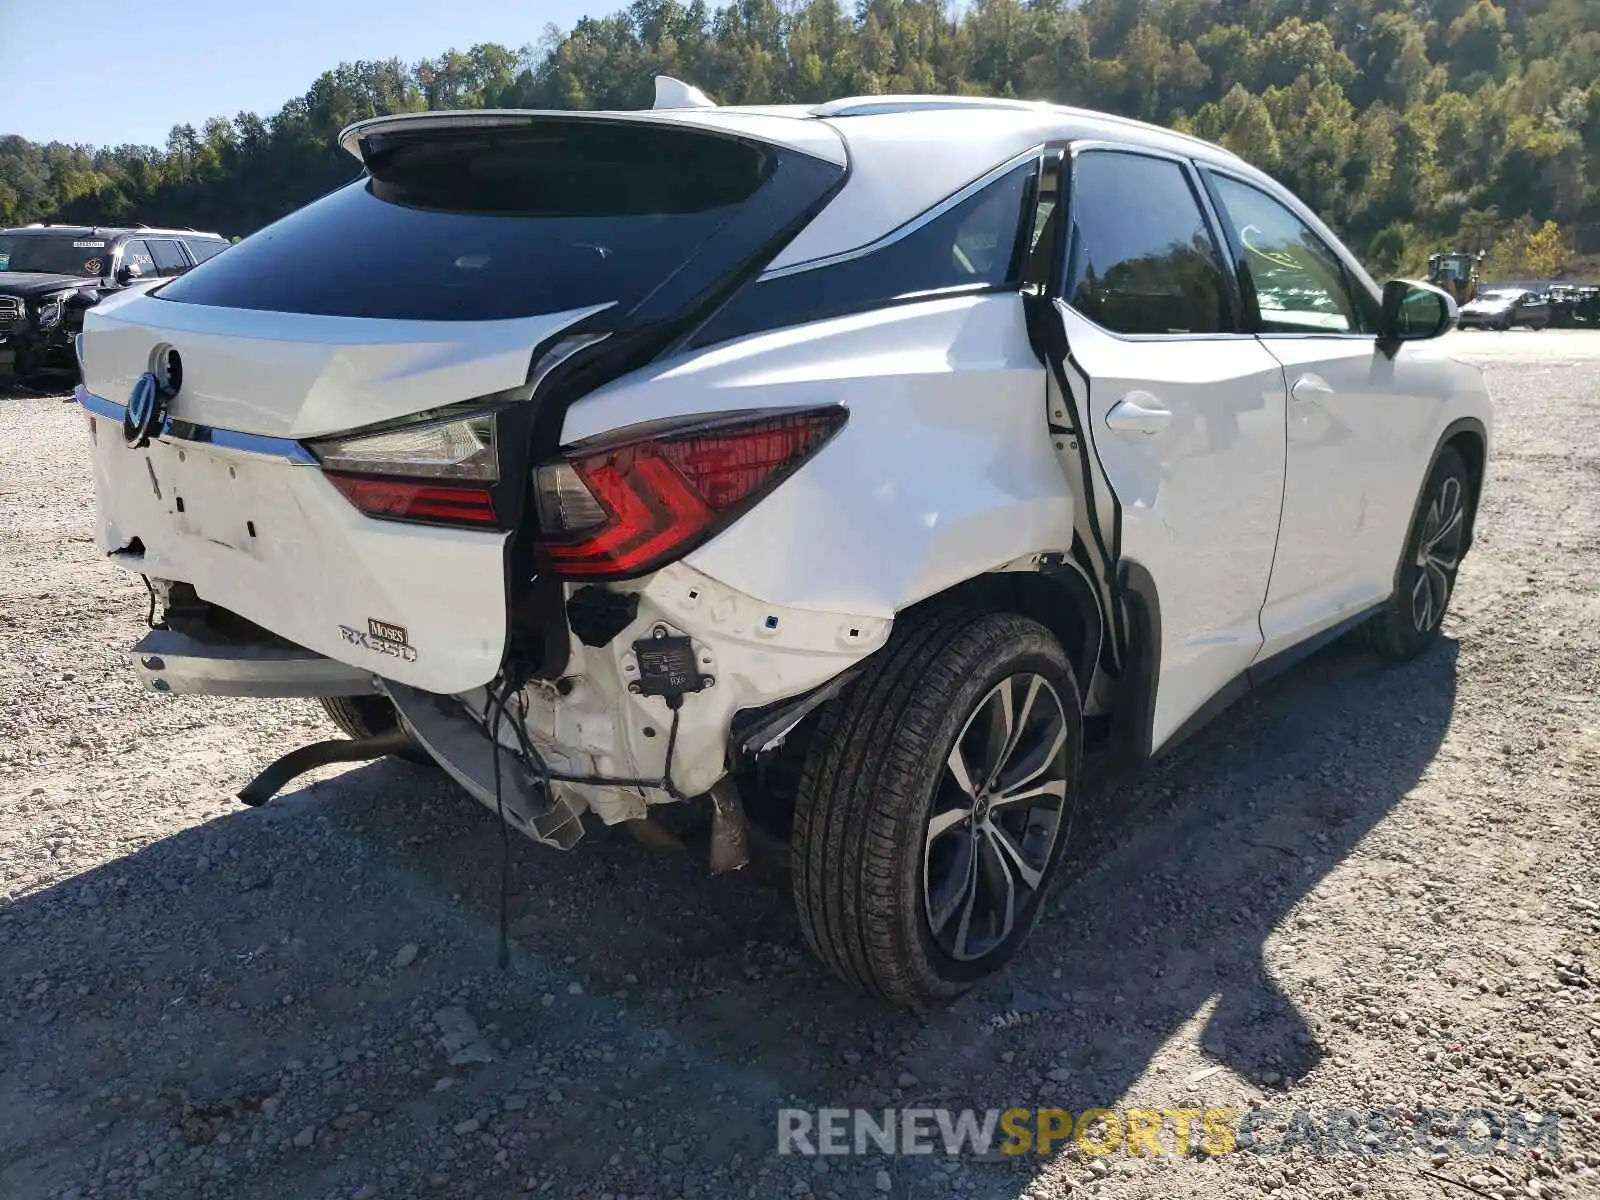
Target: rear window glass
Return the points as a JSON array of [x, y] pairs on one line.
[[975, 244], [493, 224], [169, 259], [204, 248], [52, 255]]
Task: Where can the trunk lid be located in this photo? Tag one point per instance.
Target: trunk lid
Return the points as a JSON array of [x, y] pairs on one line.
[[431, 282], [292, 375]]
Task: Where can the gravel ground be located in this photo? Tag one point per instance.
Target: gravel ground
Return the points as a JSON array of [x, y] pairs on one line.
[[1362, 887]]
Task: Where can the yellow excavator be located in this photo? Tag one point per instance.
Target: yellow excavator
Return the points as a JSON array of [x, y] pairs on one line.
[[1456, 273]]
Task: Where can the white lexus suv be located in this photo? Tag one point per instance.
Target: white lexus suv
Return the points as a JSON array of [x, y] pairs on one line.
[[871, 452]]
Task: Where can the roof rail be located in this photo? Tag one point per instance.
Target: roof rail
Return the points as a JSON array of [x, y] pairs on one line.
[[872, 106]]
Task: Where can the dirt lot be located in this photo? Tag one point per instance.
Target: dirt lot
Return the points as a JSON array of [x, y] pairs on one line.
[[1361, 888]]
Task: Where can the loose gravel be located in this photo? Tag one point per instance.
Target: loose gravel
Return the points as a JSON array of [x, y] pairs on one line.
[[1362, 887]]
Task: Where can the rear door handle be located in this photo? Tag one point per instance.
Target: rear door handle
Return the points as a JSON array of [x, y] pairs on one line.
[[1310, 388], [1138, 413]]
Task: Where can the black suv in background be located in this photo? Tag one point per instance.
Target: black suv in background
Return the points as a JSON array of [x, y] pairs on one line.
[[50, 273]]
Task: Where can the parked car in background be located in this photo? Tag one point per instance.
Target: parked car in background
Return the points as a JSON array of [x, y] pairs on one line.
[[49, 274], [1586, 306], [894, 450], [1573, 305], [1501, 308]]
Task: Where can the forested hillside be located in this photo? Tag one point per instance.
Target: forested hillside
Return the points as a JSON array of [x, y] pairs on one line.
[[1410, 127]]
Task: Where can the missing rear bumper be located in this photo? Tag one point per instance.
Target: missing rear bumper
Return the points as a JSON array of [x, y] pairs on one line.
[[460, 746], [169, 661]]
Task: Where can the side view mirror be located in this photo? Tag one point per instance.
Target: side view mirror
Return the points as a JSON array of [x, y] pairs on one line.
[[128, 272], [1414, 311]]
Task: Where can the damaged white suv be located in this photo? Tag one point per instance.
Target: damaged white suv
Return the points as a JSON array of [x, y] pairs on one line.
[[878, 450]]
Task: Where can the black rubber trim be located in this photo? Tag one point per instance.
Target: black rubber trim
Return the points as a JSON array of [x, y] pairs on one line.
[[753, 728], [1134, 713], [1069, 575], [1048, 337]]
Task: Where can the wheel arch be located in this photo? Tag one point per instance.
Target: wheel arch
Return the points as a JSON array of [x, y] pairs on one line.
[[1054, 592], [1470, 439]]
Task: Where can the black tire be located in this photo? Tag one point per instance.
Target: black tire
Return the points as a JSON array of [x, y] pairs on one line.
[[1411, 621], [367, 716], [865, 856]]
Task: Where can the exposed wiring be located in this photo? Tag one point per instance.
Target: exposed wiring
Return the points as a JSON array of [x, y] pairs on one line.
[[504, 952], [150, 618], [497, 698]]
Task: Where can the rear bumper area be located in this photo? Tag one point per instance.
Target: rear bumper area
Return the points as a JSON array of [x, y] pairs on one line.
[[256, 528], [168, 661], [459, 746]]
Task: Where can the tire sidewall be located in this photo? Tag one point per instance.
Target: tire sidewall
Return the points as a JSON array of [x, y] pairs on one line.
[[1448, 464], [1036, 652]]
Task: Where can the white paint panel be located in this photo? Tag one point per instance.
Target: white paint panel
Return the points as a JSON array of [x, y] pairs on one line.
[[1199, 497], [902, 164], [1362, 428], [943, 471], [298, 375], [313, 563]]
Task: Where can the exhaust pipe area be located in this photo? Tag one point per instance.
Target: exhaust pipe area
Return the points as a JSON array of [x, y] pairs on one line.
[[319, 754]]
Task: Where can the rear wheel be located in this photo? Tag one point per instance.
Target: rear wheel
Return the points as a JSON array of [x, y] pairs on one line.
[[934, 803], [362, 717], [1427, 579]]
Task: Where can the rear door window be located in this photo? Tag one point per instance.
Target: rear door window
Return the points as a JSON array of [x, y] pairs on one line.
[[136, 253], [487, 224], [1140, 257], [204, 248], [168, 256]]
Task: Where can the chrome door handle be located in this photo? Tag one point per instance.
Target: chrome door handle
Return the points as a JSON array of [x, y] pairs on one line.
[[1309, 388], [1139, 413]]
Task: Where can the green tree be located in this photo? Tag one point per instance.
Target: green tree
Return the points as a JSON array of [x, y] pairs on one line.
[[1407, 126], [1544, 252]]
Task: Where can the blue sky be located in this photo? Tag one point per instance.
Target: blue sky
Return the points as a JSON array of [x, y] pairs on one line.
[[114, 71]]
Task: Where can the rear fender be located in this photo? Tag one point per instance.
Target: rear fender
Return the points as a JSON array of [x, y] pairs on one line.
[[943, 472]]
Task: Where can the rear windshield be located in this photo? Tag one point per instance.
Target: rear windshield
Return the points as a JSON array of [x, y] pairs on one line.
[[52, 254], [490, 224]]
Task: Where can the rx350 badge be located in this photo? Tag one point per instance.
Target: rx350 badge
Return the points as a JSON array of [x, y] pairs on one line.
[[381, 637]]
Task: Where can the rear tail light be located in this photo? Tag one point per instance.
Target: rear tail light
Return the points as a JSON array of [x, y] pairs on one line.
[[438, 467], [628, 503], [402, 499], [432, 445]]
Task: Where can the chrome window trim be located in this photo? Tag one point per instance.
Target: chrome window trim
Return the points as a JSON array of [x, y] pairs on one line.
[[926, 217], [177, 431]]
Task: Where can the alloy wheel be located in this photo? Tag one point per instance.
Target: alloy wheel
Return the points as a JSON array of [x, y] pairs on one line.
[[1438, 554], [997, 814]]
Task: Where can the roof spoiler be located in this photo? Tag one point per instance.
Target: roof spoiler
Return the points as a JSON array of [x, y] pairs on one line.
[[674, 93], [670, 93]]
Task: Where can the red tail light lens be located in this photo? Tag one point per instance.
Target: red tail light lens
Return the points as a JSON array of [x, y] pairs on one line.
[[410, 500], [436, 467], [629, 504]]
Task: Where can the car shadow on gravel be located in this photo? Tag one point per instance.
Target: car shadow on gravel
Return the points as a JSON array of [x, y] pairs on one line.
[[294, 958]]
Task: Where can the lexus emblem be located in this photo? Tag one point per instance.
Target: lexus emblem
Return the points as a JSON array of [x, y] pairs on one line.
[[144, 414]]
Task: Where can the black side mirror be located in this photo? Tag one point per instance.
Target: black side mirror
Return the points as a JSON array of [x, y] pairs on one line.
[[127, 273], [1414, 311]]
